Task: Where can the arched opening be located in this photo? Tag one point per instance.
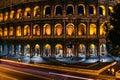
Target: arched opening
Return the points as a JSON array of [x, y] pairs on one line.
[[11, 49], [5, 31], [11, 31], [26, 30], [36, 30], [58, 51], [5, 50], [102, 10], [70, 9], [93, 29], [1, 33], [81, 50], [36, 11], [103, 50], [82, 29], [58, 10], [70, 50], [1, 17], [81, 9], [47, 10], [70, 29], [18, 31], [110, 10], [93, 50], [6, 16], [27, 12], [102, 30], [19, 14], [58, 29], [18, 49], [27, 50], [92, 10], [1, 52], [47, 50], [47, 30], [37, 50], [12, 14]]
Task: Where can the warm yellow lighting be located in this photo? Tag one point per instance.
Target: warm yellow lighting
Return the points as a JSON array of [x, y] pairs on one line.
[[111, 9], [47, 29], [37, 46], [103, 10], [36, 30], [11, 14], [28, 46], [27, 30], [47, 46], [18, 31], [6, 16], [94, 9], [27, 11], [36, 11], [11, 31], [92, 29], [0, 31], [19, 13], [81, 29], [45, 9], [70, 29], [1, 16], [5, 31], [102, 31], [58, 29], [83, 7], [81, 48], [59, 46]]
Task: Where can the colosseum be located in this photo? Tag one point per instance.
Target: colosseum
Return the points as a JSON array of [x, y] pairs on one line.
[[54, 28]]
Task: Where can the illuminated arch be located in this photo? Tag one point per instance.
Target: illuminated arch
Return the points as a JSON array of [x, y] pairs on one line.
[[110, 10], [58, 10], [93, 29], [37, 50], [36, 30], [102, 10], [70, 29], [1, 16], [81, 9], [19, 14], [1, 33], [47, 10], [18, 31], [93, 50], [92, 9], [58, 29], [47, 50], [81, 50], [59, 50], [11, 31], [26, 30], [70, 9], [102, 30], [6, 16], [82, 29], [5, 31], [47, 29], [36, 12], [27, 12], [103, 50], [27, 50], [12, 13]]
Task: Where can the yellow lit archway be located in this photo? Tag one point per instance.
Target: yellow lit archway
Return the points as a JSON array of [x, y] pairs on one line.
[[36, 30], [45, 8], [94, 9], [70, 5], [36, 11], [19, 13], [6, 16], [1, 17], [11, 31], [102, 31], [47, 29], [93, 29], [103, 10], [82, 29], [55, 10], [18, 31], [5, 31], [84, 11], [12, 13], [1, 33], [111, 9], [58, 29], [70, 29], [27, 12], [26, 30]]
